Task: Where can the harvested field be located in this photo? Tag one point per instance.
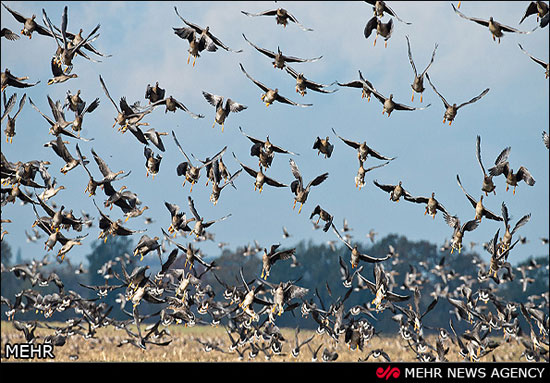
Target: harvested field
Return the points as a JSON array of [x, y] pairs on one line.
[[185, 347]]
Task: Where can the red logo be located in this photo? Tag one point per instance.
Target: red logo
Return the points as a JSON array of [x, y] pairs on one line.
[[389, 372]]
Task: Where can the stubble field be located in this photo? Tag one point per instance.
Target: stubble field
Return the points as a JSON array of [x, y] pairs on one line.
[[185, 347]]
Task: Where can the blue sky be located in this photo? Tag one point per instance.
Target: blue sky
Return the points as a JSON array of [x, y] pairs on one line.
[[144, 49]]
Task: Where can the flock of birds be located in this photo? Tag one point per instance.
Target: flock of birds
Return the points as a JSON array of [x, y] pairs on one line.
[[250, 308]]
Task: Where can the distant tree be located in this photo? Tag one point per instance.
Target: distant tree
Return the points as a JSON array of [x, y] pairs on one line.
[[102, 252], [6, 253]]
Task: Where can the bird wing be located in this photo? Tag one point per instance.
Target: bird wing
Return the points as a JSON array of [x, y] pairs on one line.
[[282, 255], [300, 60], [295, 171], [386, 188], [192, 208], [501, 163], [103, 168], [353, 144], [107, 93], [50, 121], [294, 20], [369, 259], [93, 105], [375, 154], [490, 215], [250, 171], [218, 42], [470, 198], [393, 297], [531, 10], [392, 12], [67, 157], [81, 160], [285, 100], [538, 61], [317, 180], [399, 106], [417, 199], [184, 108], [470, 225], [371, 25], [473, 99], [479, 21], [447, 105], [507, 28], [259, 84], [431, 60], [452, 221], [49, 31], [19, 17], [232, 106], [104, 216], [212, 99], [523, 174], [271, 12], [270, 181], [521, 222], [179, 147], [254, 140], [478, 154], [214, 158], [377, 166], [430, 307], [410, 55], [9, 105], [266, 52], [342, 239]]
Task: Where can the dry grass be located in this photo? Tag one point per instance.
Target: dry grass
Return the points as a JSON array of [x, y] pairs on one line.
[[185, 349]]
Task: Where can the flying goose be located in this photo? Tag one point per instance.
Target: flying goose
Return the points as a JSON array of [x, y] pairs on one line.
[[282, 17], [271, 95], [302, 83], [279, 59], [260, 178], [196, 45], [481, 211], [323, 215], [418, 83], [363, 150], [172, 105], [200, 224], [8, 79], [297, 185], [222, 111], [487, 186], [264, 150], [356, 255], [396, 191], [497, 30], [379, 7], [459, 230], [8, 106], [432, 205], [187, 169], [363, 84], [29, 24], [502, 166], [271, 257], [207, 34], [390, 105], [452, 110], [127, 115]]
